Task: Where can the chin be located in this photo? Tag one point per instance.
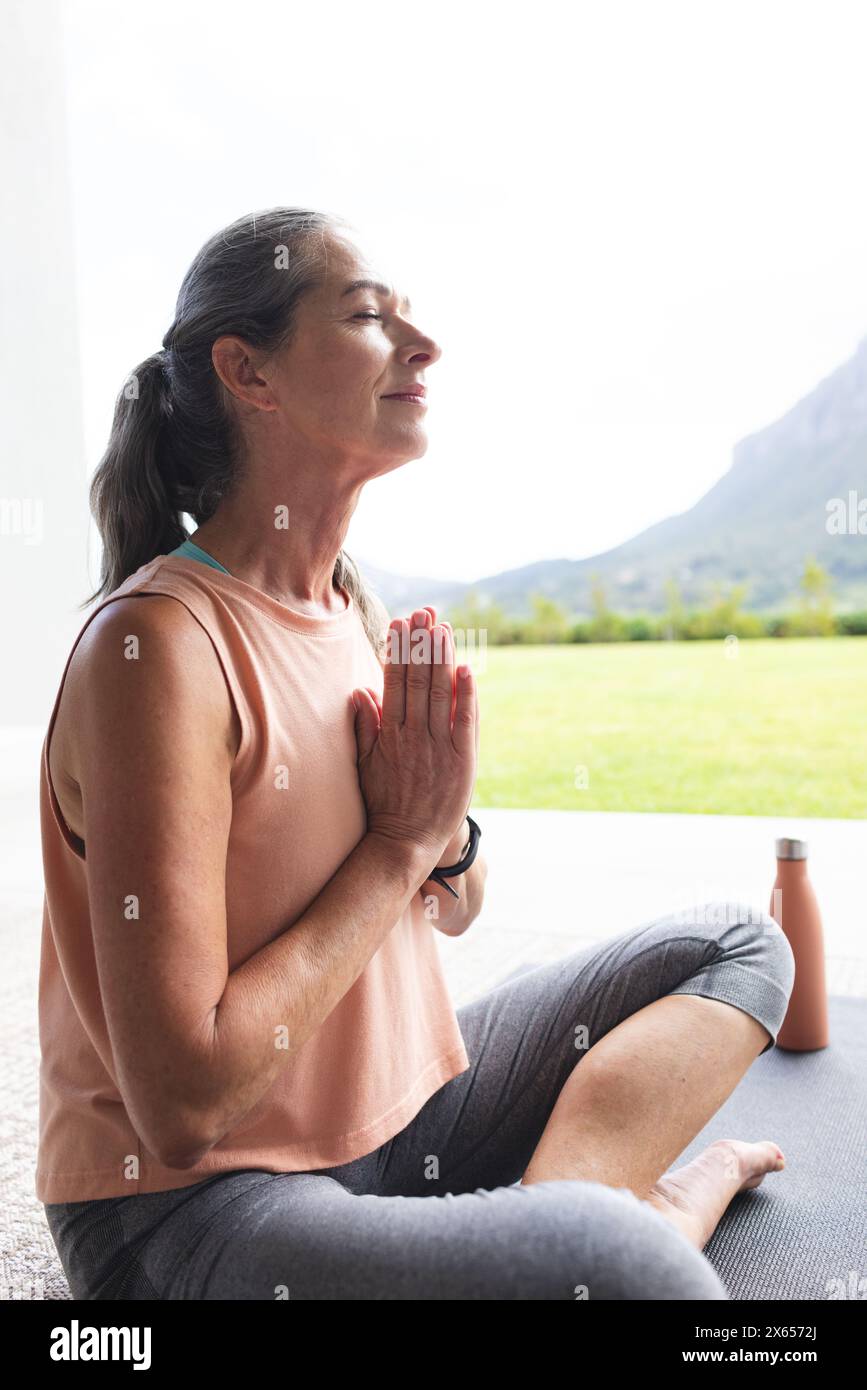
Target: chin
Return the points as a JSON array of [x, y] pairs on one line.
[[409, 443], [396, 458]]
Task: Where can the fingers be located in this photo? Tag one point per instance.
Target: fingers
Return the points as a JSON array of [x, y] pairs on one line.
[[443, 674], [418, 674], [464, 728], [448, 627], [442, 682], [441, 655], [366, 722], [394, 674], [419, 682]]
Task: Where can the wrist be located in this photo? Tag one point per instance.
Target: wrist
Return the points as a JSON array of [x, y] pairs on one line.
[[454, 850], [407, 857]]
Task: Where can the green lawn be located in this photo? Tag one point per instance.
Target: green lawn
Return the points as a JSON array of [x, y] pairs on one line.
[[778, 728]]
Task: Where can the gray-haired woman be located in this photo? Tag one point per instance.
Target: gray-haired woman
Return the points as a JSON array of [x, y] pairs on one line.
[[253, 1081]]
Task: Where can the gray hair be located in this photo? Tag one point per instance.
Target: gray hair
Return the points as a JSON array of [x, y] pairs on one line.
[[174, 446]]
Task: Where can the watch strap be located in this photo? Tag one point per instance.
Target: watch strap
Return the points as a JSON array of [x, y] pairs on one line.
[[468, 857]]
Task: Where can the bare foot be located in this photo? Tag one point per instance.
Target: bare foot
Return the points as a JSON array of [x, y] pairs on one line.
[[694, 1197]]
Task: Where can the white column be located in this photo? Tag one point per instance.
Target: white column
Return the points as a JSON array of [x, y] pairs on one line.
[[43, 475]]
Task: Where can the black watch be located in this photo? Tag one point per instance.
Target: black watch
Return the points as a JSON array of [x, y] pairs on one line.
[[452, 870]]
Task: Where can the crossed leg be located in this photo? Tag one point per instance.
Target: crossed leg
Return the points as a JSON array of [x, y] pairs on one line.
[[531, 1175]]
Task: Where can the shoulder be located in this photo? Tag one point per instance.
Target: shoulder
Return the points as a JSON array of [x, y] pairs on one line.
[[154, 626], [142, 662]]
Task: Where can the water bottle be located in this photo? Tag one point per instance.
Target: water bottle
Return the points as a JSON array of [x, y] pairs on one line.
[[795, 908]]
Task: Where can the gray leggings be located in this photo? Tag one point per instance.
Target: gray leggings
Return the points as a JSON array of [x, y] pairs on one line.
[[437, 1211]]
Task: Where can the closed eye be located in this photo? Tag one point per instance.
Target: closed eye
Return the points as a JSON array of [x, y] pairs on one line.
[[367, 314]]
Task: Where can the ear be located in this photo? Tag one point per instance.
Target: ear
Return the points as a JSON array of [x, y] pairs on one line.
[[236, 364]]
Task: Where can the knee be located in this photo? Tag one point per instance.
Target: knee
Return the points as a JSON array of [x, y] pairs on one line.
[[604, 1243], [752, 938], [777, 953]]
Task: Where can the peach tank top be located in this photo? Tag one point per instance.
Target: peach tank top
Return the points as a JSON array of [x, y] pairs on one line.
[[391, 1041]]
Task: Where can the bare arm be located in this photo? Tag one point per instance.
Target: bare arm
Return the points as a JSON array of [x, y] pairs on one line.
[[194, 1045]]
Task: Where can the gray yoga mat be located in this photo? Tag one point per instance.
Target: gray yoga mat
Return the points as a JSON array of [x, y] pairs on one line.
[[801, 1234]]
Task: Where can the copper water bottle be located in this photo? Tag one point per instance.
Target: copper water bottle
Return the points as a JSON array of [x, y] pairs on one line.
[[795, 908]]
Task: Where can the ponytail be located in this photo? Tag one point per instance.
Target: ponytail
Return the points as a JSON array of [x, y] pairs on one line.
[[129, 498]]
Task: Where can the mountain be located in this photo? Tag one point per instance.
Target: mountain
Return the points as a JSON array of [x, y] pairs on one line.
[[401, 593], [756, 525]]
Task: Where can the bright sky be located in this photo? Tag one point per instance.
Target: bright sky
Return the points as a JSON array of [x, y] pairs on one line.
[[637, 238]]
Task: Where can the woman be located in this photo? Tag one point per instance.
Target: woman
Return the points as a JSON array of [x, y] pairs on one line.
[[253, 1082]]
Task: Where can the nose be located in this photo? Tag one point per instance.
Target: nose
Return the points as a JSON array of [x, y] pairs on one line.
[[424, 350]]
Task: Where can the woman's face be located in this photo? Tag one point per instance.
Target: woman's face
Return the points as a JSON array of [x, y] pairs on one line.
[[353, 349]]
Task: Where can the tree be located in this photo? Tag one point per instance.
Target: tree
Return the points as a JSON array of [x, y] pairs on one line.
[[605, 625], [472, 618], [725, 617], [814, 615], [549, 622], [674, 622]]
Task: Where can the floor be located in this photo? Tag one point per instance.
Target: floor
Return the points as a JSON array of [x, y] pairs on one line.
[[558, 880]]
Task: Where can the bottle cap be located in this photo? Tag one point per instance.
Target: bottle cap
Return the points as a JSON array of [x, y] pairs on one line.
[[791, 849]]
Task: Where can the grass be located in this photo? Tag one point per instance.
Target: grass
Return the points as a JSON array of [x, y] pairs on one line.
[[775, 728]]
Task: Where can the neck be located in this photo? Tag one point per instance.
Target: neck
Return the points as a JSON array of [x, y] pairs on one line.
[[283, 537]]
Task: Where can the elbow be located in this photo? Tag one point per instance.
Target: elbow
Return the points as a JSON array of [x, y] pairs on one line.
[[181, 1151], [171, 1111], [183, 1159], [169, 1101], [176, 1142]]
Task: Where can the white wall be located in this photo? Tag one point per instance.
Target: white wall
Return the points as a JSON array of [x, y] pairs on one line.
[[43, 476]]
